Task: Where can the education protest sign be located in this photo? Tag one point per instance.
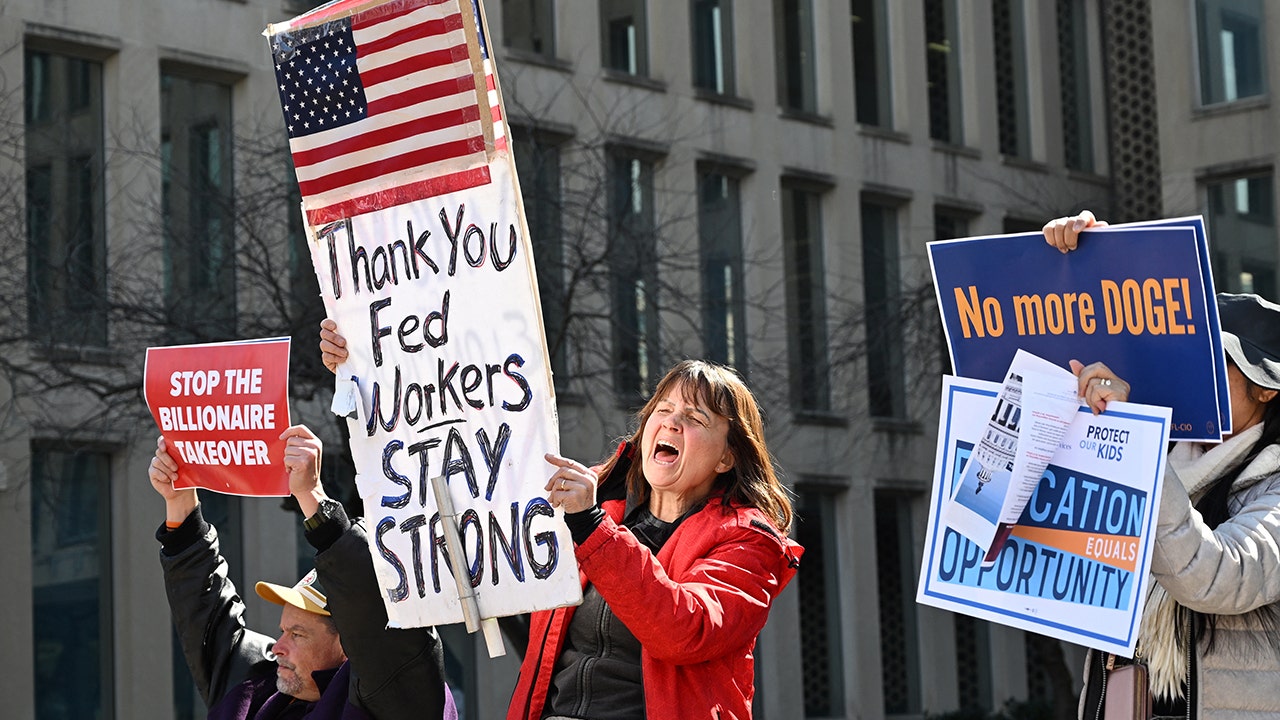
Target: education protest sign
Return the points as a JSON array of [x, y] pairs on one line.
[[221, 408], [1076, 564], [1139, 299], [419, 241]]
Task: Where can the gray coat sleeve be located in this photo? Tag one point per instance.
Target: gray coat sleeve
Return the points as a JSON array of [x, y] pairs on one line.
[[207, 611], [396, 674], [1226, 571]]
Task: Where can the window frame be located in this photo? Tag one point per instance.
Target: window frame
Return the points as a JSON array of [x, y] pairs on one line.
[[545, 9], [727, 253], [633, 265], [727, 84], [638, 65], [1202, 58], [98, 546], [805, 56], [806, 305], [886, 360], [197, 313], [66, 292]]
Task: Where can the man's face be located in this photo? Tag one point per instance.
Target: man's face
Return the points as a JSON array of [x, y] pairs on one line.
[[306, 645]]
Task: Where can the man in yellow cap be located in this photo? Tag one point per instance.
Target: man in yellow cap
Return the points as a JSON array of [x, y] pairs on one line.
[[368, 672], [309, 641]]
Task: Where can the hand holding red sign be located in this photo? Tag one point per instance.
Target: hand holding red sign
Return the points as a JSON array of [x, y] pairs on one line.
[[221, 408]]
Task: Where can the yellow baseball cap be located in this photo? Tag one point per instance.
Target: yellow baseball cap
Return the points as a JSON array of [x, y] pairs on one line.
[[306, 595]]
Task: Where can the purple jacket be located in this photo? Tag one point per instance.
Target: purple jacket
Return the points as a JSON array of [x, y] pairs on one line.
[[258, 699]]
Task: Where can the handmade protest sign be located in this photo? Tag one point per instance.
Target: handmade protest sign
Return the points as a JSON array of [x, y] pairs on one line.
[[424, 261], [1076, 564], [1136, 298], [221, 408]]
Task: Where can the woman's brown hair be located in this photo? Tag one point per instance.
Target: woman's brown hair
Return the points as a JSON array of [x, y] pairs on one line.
[[752, 480]]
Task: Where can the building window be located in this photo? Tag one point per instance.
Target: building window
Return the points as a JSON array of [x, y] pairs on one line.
[[223, 512], [947, 226], [882, 298], [806, 297], [71, 582], [538, 166], [1077, 97], [1242, 225], [870, 62], [821, 652], [1049, 679], [720, 245], [197, 207], [896, 566], [713, 45], [66, 233], [1230, 44], [529, 26], [973, 663], [1012, 111], [942, 61], [624, 35], [793, 41], [632, 256]]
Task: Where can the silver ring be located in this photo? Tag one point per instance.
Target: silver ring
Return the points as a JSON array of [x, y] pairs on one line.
[[1105, 382]]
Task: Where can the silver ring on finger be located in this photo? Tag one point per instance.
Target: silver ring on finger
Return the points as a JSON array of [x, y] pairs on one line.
[[1105, 382]]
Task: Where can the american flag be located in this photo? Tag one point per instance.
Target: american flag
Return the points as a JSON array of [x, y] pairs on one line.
[[381, 103], [491, 81]]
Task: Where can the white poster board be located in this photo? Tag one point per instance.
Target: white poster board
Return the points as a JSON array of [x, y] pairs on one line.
[[436, 299], [1076, 565], [418, 239]]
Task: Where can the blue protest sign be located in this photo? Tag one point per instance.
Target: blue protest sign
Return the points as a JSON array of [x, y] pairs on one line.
[[1139, 299], [1211, 304]]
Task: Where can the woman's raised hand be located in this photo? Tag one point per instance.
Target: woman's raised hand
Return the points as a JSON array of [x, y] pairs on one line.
[[1064, 233], [1099, 385], [572, 486]]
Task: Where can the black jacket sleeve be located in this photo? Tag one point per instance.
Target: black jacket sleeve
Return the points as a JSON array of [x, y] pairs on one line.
[[396, 674], [207, 611]]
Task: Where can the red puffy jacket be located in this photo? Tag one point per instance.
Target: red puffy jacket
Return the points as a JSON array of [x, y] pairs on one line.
[[696, 610]]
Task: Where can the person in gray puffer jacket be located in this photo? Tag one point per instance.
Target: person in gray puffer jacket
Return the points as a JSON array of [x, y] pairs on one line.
[[1210, 632]]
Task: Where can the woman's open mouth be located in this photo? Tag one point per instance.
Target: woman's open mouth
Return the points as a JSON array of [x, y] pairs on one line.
[[664, 452]]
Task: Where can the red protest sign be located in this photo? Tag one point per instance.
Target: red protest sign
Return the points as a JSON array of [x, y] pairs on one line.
[[221, 408]]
